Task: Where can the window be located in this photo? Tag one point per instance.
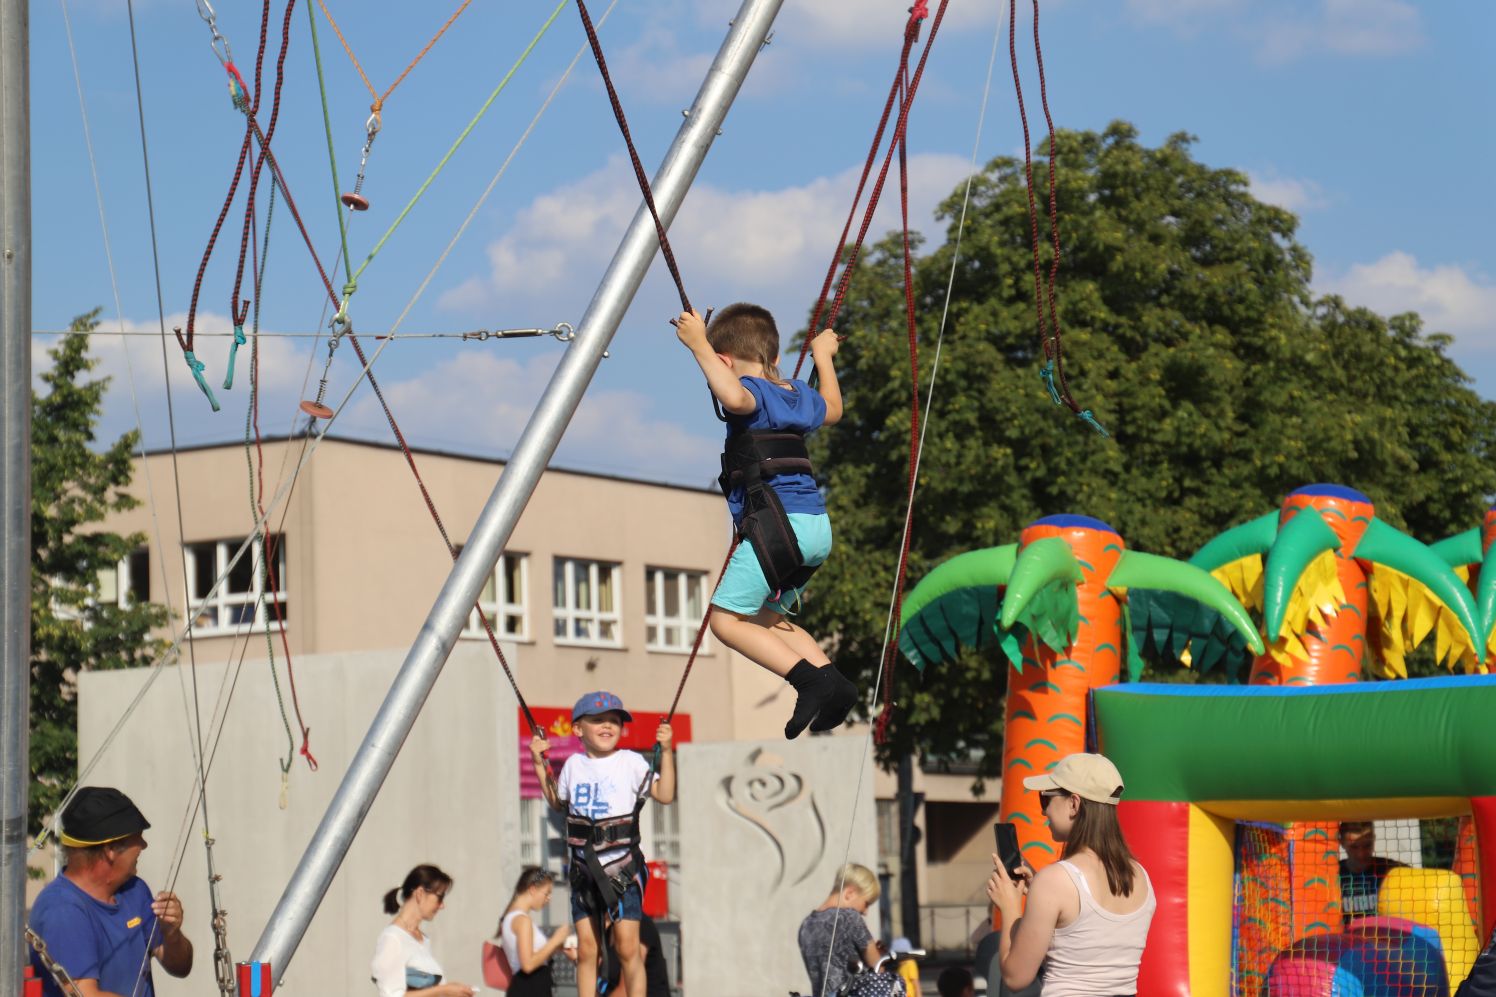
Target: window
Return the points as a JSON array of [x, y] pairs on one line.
[[673, 606], [127, 583], [587, 603], [542, 836], [243, 600], [666, 844], [503, 600]]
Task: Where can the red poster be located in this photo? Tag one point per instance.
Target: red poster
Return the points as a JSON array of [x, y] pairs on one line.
[[556, 722]]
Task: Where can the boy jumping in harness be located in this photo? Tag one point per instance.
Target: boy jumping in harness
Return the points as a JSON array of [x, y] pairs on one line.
[[602, 793], [776, 505]]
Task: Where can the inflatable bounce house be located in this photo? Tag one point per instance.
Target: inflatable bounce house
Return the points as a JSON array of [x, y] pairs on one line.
[[1235, 796], [1240, 797]]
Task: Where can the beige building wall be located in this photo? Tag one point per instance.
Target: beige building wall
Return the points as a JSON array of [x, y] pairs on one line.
[[364, 563]]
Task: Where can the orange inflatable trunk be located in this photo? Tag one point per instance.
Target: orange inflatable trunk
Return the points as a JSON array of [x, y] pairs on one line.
[[1335, 651], [1046, 709]]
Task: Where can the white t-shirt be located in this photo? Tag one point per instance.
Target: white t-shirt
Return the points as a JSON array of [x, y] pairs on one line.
[[603, 787], [396, 951], [511, 940]]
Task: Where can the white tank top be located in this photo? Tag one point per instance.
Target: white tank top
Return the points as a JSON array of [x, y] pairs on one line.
[[511, 943], [1098, 953]]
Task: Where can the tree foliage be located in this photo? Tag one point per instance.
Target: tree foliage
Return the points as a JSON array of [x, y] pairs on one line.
[[1191, 330], [74, 486]]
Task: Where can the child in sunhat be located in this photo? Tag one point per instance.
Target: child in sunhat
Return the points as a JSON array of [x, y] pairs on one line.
[[602, 792]]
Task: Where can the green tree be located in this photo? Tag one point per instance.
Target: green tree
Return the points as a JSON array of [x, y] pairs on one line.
[[74, 487], [1189, 328]]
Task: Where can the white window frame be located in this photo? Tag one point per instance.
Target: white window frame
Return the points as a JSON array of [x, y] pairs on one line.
[[505, 605], [223, 601], [124, 579], [569, 616], [686, 623]]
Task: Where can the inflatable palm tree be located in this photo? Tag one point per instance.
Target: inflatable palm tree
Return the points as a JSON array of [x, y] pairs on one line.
[[1056, 603], [1339, 593], [1472, 555]]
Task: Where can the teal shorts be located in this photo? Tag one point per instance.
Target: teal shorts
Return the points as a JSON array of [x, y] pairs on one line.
[[745, 590]]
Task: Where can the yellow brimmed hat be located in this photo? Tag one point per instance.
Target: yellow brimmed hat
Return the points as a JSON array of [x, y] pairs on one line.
[[98, 815]]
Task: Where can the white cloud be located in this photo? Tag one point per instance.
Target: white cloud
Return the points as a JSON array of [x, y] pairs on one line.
[[754, 240], [862, 24], [1371, 27], [613, 431], [1449, 298], [1292, 29], [1294, 195]]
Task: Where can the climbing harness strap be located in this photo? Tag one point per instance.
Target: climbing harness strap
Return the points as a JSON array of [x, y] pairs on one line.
[[748, 461]]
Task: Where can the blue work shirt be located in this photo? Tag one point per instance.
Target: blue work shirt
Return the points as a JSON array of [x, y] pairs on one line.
[[798, 409], [94, 940]]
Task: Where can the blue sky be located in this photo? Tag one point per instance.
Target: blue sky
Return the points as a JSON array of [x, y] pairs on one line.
[[1368, 118]]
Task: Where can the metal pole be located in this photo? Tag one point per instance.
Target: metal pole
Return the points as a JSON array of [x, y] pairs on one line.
[[366, 773], [15, 481]]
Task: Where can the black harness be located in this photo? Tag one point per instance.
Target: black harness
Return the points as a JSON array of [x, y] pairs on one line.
[[604, 885], [748, 460]]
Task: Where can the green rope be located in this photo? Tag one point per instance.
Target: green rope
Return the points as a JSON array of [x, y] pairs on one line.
[[261, 610], [332, 156], [525, 55]]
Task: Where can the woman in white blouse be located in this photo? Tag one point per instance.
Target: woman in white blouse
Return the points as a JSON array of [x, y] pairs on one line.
[[525, 945], [403, 965]]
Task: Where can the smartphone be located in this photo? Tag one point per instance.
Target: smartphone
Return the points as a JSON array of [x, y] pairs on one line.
[[1008, 852]]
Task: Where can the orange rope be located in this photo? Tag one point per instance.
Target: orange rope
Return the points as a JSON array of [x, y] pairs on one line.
[[380, 98]]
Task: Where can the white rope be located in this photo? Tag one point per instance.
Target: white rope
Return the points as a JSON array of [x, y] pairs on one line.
[[908, 519]]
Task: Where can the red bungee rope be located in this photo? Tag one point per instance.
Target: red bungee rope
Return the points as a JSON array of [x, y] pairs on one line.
[[1053, 371], [907, 87], [628, 140]]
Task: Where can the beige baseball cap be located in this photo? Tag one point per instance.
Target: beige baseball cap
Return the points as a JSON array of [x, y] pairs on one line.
[[1091, 777]]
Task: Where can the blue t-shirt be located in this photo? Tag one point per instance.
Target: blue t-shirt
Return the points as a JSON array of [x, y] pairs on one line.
[[93, 940], [799, 409]]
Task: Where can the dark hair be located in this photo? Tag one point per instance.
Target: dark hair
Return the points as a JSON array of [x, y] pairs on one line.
[[1350, 827], [953, 981], [424, 877], [747, 332], [1098, 830], [529, 878]]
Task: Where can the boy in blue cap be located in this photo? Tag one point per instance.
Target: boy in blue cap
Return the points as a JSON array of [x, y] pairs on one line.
[[602, 793]]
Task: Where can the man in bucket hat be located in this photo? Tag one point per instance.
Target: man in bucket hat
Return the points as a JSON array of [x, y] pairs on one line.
[[99, 919]]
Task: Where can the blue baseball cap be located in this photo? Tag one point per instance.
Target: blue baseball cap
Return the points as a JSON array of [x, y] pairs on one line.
[[599, 702]]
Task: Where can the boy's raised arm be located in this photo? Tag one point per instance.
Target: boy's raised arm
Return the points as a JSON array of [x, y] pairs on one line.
[[690, 328], [663, 789], [822, 349], [538, 747]]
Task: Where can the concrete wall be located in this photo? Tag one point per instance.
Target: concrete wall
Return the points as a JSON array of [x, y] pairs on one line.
[[764, 828], [450, 799]]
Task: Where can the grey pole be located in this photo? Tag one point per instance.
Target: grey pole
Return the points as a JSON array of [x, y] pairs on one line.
[[15, 481], [366, 773]]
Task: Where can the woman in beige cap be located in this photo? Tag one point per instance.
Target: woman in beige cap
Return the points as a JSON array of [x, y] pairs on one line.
[[1087, 915]]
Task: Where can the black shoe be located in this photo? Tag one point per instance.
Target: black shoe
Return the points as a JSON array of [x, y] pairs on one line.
[[839, 703], [814, 687]]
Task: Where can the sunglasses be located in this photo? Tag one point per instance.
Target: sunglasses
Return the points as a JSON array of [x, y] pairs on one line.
[[1049, 795]]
